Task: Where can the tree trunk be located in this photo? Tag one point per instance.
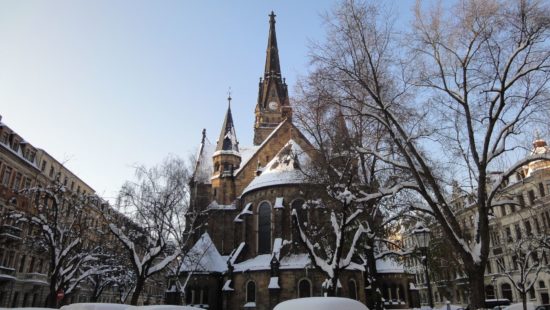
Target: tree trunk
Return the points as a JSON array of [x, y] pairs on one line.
[[137, 291], [374, 300], [51, 300], [524, 299], [477, 286]]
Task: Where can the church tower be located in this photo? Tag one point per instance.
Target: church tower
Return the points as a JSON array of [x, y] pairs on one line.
[[226, 160], [273, 105]]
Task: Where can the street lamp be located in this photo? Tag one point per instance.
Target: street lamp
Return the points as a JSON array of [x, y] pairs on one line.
[[495, 289], [421, 235]]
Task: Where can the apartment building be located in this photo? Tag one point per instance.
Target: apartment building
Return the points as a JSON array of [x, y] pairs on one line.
[[522, 211]]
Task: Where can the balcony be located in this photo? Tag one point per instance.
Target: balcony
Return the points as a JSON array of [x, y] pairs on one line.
[[7, 274], [9, 232], [33, 278]]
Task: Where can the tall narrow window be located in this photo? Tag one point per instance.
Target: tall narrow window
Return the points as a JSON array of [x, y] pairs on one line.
[[304, 288], [541, 190], [531, 195], [264, 228], [250, 292]]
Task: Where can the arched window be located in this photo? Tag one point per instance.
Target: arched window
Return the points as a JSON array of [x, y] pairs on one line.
[[250, 291], [264, 228], [304, 288], [507, 291], [352, 287], [489, 292]]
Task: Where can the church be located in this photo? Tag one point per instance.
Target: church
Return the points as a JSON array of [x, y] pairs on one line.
[[245, 252]]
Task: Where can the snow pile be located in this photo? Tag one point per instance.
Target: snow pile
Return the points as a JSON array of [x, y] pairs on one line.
[[203, 257], [321, 303], [106, 306], [284, 168], [519, 306]]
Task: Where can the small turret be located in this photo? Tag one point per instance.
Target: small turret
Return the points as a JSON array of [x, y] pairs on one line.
[[226, 160]]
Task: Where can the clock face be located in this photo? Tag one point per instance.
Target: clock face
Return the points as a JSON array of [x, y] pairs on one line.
[[273, 105]]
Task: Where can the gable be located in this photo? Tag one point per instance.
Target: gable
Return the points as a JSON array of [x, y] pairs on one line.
[[265, 152]]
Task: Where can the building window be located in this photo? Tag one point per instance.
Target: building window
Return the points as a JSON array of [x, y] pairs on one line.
[[503, 210], [22, 264], [250, 291], [264, 228], [17, 181], [304, 288], [531, 195], [43, 168], [528, 229], [521, 200], [518, 232], [542, 284], [509, 235], [506, 290], [352, 286], [532, 293], [51, 172], [541, 190], [6, 176]]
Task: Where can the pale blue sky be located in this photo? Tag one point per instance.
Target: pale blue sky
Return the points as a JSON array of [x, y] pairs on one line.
[[105, 85]]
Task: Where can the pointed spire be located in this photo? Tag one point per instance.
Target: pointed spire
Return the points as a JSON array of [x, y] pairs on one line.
[[228, 138], [272, 65]]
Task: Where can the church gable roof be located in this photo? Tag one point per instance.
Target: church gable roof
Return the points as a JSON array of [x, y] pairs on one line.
[[203, 164], [285, 168], [203, 257]]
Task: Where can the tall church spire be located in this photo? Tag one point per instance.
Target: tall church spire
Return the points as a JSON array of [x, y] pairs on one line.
[[272, 66], [273, 104], [228, 138]]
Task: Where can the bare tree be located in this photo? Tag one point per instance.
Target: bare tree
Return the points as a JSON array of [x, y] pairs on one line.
[[151, 231], [452, 105], [59, 219], [357, 189], [526, 256]]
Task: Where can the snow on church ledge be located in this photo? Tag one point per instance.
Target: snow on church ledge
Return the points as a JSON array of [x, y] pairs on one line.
[[274, 283], [246, 210], [227, 286], [279, 203]]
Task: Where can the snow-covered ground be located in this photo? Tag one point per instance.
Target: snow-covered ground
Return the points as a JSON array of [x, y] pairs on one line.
[[519, 306], [105, 306], [321, 303]]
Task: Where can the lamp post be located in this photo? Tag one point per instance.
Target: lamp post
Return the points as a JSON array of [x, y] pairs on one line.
[[495, 288], [421, 235]]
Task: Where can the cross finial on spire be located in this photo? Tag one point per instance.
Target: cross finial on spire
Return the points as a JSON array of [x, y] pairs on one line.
[[229, 96], [272, 17]]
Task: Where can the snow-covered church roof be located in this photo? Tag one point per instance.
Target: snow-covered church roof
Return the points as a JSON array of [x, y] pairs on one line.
[[204, 165], [285, 168], [203, 257]]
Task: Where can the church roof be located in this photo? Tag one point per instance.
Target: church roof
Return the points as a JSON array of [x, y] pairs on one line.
[[203, 257], [284, 168], [203, 164], [272, 54], [228, 138]]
